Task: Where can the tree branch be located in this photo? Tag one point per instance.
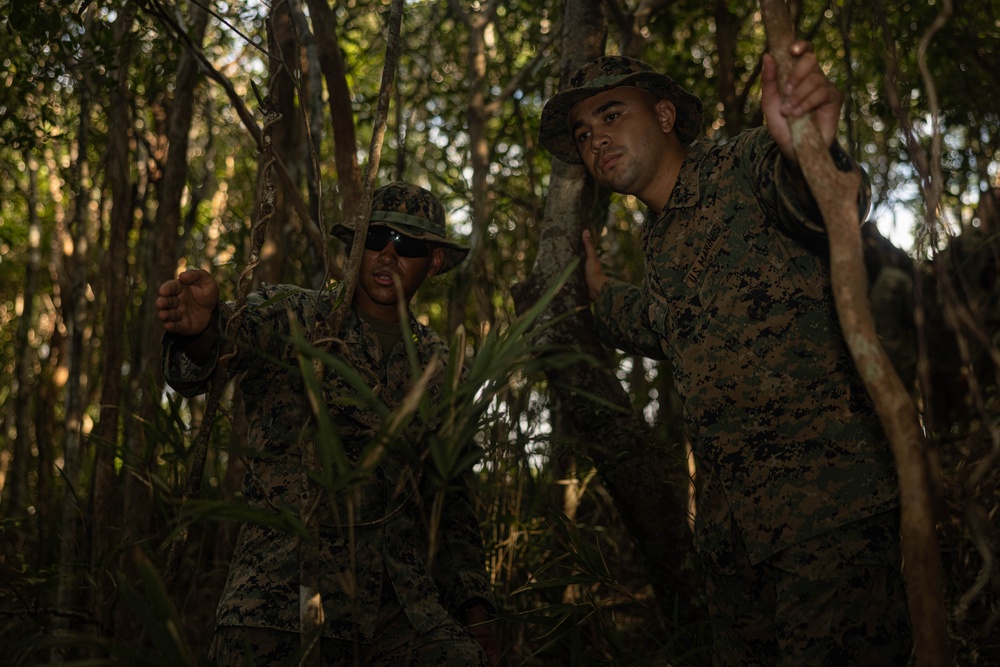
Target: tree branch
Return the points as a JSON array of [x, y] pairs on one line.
[[836, 194]]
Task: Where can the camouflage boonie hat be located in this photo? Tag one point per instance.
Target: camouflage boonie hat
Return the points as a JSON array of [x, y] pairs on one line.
[[604, 74], [413, 211]]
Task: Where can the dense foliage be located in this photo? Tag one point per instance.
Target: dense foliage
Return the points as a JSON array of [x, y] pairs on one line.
[[101, 199]]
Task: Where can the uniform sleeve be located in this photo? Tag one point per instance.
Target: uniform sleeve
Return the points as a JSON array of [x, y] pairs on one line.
[[264, 332], [179, 371], [622, 316], [782, 188]]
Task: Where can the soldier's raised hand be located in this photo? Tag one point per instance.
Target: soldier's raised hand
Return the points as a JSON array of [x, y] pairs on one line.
[[807, 90], [186, 303]]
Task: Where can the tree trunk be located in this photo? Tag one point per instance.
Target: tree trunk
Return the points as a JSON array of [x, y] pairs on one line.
[[473, 272], [727, 30], [345, 140], [75, 319], [106, 490], [52, 377], [17, 480], [289, 139], [312, 108]]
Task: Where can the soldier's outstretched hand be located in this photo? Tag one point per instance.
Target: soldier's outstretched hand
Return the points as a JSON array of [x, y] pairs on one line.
[[807, 90], [186, 303]]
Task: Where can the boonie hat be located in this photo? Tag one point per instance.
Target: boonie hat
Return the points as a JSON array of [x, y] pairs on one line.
[[415, 212], [603, 74]]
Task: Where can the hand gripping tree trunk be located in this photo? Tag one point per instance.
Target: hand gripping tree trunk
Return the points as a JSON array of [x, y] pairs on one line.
[[836, 195]]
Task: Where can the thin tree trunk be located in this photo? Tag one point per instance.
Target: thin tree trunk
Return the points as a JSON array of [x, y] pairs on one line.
[[106, 491], [24, 364], [473, 270], [345, 143], [288, 137], [632, 33], [727, 29], [75, 319], [312, 107], [54, 369], [836, 194]]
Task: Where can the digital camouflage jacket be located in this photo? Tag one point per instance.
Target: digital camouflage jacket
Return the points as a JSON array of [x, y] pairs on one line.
[[736, 294], [374, 535]]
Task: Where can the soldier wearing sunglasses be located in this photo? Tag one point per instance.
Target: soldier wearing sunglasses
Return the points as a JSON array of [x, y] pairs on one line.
[[383, 604]]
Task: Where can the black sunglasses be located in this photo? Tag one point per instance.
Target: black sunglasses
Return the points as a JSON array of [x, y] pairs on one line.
[[405, 246]]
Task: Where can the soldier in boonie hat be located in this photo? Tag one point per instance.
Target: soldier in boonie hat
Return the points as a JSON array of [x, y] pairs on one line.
[[381, 343], [604, 74], [735, 281], [414, 212]]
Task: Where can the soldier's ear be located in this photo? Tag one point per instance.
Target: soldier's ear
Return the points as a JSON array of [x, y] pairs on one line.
[[437, 259], [666, 114]]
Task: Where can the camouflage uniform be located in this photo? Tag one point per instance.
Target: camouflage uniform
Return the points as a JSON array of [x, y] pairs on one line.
[[745, 313], [798, 488], [373, 535]]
